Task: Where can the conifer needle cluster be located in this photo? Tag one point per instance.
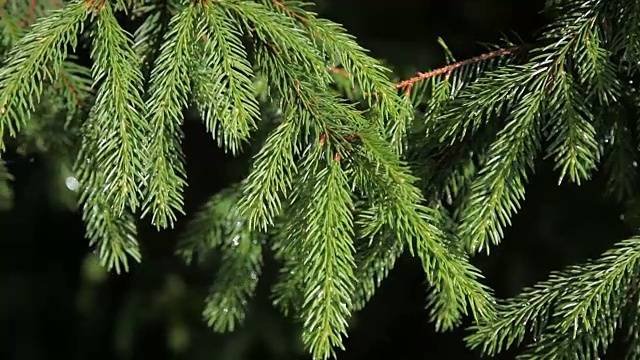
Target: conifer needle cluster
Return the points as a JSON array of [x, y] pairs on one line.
[[354, 170]]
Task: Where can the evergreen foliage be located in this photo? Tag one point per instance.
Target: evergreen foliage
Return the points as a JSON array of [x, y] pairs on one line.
[[354, 169]]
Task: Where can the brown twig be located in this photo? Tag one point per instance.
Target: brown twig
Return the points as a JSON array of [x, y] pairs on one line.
[[97, 4], [31, 15], [289, 11], [407, 85], [339, 71], [446, 70], [31, 12], [72, 90]]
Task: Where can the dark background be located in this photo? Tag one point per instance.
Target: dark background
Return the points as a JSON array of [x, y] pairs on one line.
[[56, 302]]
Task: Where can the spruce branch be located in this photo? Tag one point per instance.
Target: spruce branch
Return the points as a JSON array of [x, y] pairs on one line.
[[624, 15], [112, 235], [282, 34], [17, 15], [33, 60], [575, 148], [329, 268], [434, 91], [272, 176], [374, 260], [601, 288], [274, 166], [235, 284], [170, 84], [454, 279], [568, 345], [288, 292], [321, 114], [577, 35], [119, 111], [631, 319], [364, 72], [587, 299], [447, 172], [490, 95], [304, 103], [230, 109], [237, 278], [323, 230], [443, 83], [352, 166], [207, 230], [279, 45], [11, 27], [496, 193], [149, 35], [220, 226], [54, 127], [595, 69], [543, 85], [527, 313]]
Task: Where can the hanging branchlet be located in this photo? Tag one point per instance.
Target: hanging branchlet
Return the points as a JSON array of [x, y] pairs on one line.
[[170, 83], [148, 36], [219, 227], [119, 110], [228, 106], [34, 59]]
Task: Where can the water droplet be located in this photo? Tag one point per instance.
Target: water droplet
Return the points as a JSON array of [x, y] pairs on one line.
[[72, 183]]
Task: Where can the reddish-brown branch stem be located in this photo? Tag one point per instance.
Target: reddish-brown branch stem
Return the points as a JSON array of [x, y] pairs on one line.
[[339, 71], [98, 5], [407, 85], [446, 70], [72, 90], [31, 15], [32, 11], [289, 11]]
